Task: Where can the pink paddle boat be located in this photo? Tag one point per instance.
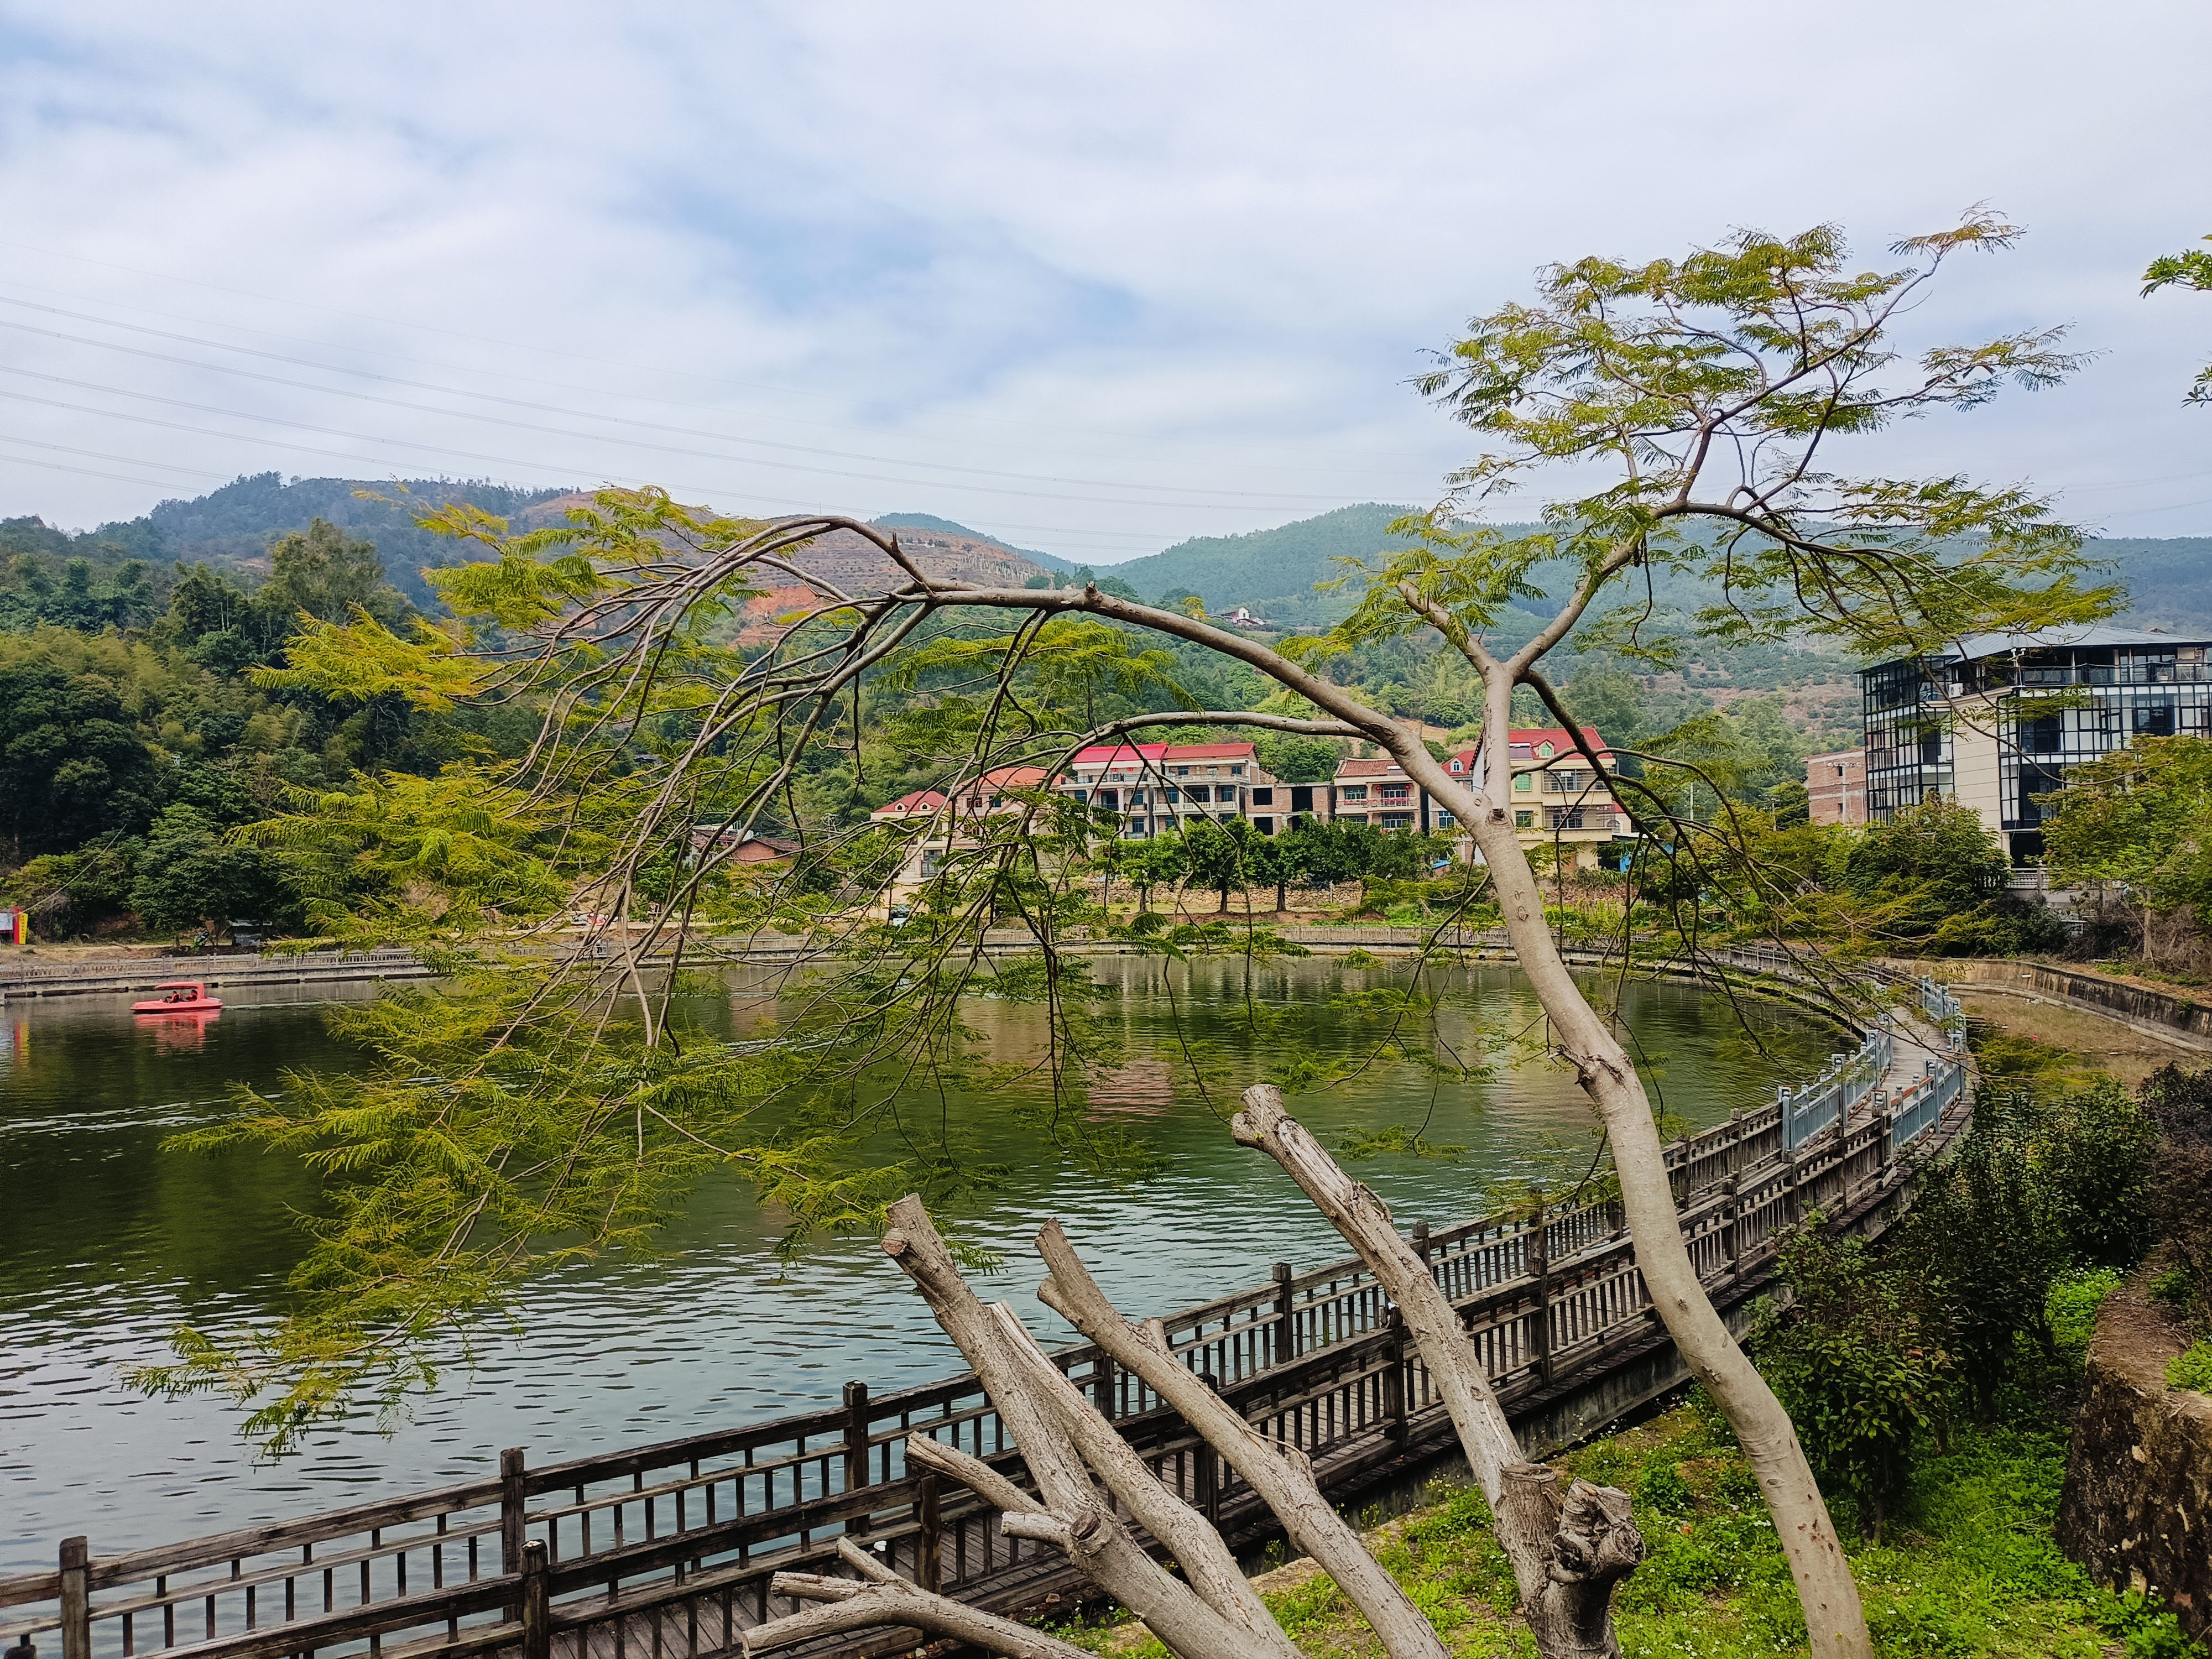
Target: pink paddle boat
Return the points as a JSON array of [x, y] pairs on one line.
[[186, 996]]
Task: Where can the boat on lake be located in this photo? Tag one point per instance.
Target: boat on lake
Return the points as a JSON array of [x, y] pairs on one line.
[[186, 996]]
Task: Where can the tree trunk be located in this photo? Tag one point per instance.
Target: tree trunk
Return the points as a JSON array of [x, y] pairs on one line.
[[1278, 1473], [1833, 1617], [1567, 1555], [879, 1597]]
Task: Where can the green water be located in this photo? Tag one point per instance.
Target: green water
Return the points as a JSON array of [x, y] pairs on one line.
[[111, 1244]]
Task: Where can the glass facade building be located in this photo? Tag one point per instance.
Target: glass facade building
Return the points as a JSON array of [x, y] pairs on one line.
[[1996, 724]]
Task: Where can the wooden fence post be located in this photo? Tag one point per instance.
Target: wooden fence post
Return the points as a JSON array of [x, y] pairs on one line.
[[510, 1519], [1888, 1119], [1105, 1386], [1394, 1383], [1540, 1266], [76, 1598], [536, 1604], [1735, 1226], [1792, 1209], [1287, 1332], [929, 1541], [1208, 1469], [856, 1450]]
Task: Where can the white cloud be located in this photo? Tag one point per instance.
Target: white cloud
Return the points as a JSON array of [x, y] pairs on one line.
[[1096, 280]]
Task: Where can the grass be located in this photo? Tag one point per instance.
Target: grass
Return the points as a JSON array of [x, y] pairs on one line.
[[1969, 1569], [2192, 1367]]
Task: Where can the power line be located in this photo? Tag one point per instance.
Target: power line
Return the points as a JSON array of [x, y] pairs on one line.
[[1026, 425], [575, 414], [630, 394]]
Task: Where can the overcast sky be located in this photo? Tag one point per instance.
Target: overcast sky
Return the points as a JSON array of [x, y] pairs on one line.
[[1091, 279]]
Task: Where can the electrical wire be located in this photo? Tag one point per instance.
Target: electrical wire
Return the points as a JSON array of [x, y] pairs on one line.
[[575, 414]]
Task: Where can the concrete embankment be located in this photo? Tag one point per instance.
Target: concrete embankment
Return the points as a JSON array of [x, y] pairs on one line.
[[22, 978], [2182, 1024]]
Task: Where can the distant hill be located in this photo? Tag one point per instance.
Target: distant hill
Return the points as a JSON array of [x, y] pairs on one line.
[[234, 524], [930, 521], [1272, 571], [2169, 579]]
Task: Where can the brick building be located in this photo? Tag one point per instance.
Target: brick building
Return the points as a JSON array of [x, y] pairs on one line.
[[1836, 787]]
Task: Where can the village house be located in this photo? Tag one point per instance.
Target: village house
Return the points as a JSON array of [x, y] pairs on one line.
[[1153, 787]]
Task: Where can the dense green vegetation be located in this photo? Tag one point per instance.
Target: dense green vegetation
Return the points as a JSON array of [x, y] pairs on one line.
[[131, 691], [128, 753]]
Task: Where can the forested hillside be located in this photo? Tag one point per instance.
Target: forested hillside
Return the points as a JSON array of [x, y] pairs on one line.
[[133, 735]]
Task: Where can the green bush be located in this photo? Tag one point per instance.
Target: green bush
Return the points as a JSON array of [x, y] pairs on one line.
[[1863, 1365], [2192, 1370]]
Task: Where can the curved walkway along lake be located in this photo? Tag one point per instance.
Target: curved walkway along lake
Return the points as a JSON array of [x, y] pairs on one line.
[[110, 1244]]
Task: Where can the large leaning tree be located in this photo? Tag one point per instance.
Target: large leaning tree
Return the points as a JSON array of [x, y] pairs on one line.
[[1695, 409]]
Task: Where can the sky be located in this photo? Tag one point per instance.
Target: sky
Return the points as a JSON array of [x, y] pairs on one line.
[[1091, 280]]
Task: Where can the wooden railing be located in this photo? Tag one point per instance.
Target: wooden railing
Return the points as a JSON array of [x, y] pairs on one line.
[[671, 1546]]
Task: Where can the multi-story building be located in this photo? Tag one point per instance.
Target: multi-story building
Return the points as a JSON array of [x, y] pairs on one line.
[[1379, 793], [1995, 723], [1559, 800], [1562, 804], [1154, 787], [1835, 786]]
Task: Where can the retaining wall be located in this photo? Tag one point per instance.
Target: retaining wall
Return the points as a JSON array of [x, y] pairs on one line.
[[2137, 1508], [2135, 1006]]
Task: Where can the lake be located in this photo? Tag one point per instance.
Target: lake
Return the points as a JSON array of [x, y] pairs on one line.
[[110, 1244]]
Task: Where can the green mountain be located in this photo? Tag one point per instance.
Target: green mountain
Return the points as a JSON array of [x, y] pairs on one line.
[[234, 524], [2168, 578], [1271, 571]]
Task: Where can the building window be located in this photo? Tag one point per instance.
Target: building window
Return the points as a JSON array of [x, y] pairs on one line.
[[1524, 820], [2154, 720], [1263, 797], [1355, 792], [1236, 771], [1174, 794], [1521, 786], [1265, 826], [1444, 820], [1458, 767]]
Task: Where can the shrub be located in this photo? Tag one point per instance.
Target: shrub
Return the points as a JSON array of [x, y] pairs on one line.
[[2192, 1368], [1863, 1365], [2179, 1105]]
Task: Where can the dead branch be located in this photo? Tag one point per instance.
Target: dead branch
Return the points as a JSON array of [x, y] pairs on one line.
[[881, 1597]]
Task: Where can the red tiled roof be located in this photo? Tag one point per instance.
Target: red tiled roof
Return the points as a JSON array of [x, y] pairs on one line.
[[921, 800], [1131, 752], [1195, 751], [1380, 766], [933, 800], [1522, 740], [1161, 753]]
